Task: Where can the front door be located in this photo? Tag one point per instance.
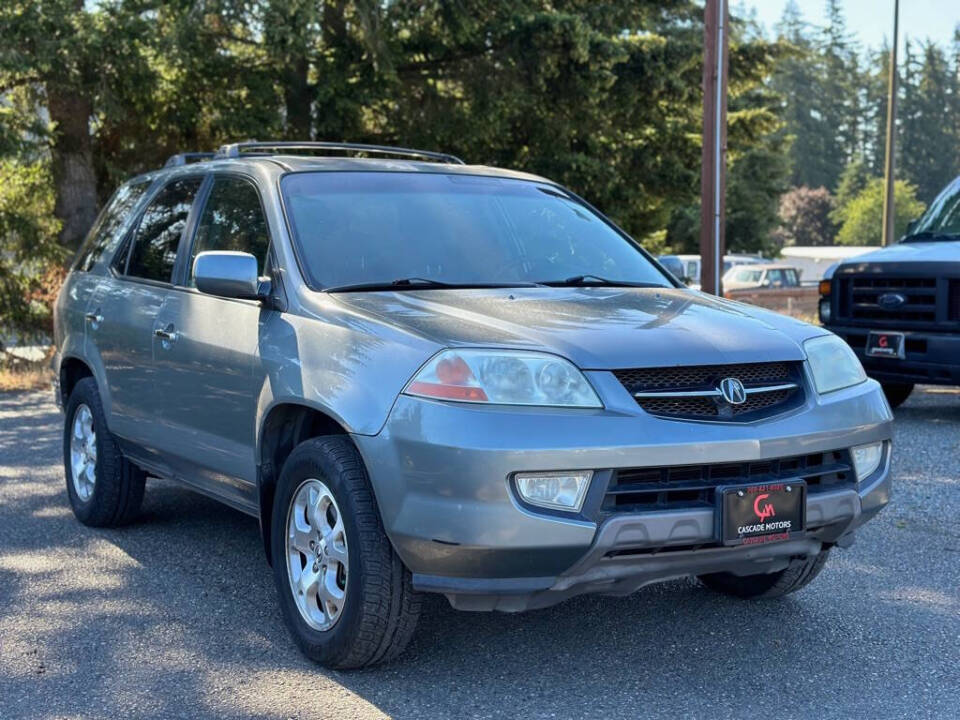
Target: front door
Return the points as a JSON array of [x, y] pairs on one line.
[[208, 372]]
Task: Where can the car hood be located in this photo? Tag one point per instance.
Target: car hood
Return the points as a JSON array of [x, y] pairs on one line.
[[596, 328], [941, 251]]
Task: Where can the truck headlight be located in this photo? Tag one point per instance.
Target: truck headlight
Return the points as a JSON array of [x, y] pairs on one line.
[[866, 459], [503, 377], [825, 310], [555, 490], [833, 364]]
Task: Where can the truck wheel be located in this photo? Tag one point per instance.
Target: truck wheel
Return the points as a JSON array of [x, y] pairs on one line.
[[105, 489], [897, 393], [769, 585], [345, 596]]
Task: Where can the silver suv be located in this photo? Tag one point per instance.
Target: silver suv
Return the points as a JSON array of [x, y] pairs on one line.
[[425, 376]]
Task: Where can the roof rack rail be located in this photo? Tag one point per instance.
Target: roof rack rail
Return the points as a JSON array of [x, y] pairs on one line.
[[187, 157], [254, 147]]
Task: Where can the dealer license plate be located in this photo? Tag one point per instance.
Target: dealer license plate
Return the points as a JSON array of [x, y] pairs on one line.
[[752, 514], [885, 344]]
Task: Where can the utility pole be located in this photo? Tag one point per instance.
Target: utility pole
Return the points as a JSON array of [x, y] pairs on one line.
[[714, 154], [888, 203]]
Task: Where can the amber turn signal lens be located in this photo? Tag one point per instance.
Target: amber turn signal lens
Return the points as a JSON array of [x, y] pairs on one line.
[[824, 287]]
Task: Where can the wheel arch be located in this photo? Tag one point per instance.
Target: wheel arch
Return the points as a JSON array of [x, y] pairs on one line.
[[284, 426], [72, 370]]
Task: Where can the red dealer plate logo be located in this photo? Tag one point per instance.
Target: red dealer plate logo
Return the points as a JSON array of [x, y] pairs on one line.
[[751, 514]]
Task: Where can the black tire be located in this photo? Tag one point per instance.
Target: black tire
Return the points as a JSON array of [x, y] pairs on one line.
[[380, 609], [897, 393], [798, 574], [118, 489]]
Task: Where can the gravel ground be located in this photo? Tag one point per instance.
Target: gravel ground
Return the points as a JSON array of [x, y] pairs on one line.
[[176, 617]]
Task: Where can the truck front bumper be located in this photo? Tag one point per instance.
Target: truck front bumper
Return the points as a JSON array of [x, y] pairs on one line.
[[931, 358], [441, 474]]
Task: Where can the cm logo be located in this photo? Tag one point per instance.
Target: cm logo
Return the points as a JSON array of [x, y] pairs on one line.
[[763, 511]]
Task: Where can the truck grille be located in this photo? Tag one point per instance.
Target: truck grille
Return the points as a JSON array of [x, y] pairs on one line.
[[924, 302], [693, 486], [692, 392]]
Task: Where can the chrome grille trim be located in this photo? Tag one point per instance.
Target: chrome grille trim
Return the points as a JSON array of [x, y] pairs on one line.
[[712, 393]]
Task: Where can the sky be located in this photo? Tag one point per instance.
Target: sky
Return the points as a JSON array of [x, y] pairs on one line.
[[871, 20]]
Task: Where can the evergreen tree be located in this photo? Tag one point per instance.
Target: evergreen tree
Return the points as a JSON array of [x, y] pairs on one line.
[[929, 153]]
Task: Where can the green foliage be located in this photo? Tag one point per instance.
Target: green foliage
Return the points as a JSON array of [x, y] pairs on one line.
[[28, 246], [863, 216]]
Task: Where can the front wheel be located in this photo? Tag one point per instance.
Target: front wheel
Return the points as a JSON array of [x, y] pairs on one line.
[[346, 597], [798, 574], [897, 393]]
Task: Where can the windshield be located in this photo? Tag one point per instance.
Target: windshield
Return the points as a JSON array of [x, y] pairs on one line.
[[743, 274], [943, 215], [377, 227]]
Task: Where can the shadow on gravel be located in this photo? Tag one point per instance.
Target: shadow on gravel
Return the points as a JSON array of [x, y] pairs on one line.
[[175, 616]]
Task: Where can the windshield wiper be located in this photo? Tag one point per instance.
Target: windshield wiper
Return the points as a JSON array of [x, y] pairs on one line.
[[419, 283], [596, 280], [930, 235]]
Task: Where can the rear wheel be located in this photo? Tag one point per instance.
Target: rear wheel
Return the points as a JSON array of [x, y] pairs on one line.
[[798, 574], [346, 597], [897, 393], [104, 487]]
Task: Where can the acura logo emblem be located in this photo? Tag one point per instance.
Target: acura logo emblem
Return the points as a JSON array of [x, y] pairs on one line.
[[891, 300], [732, 391]]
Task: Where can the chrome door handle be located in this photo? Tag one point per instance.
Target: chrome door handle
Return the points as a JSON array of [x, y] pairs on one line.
[[168, 336], [94, 318]]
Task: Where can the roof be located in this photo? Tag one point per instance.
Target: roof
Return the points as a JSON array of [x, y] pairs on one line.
[[829, 252], [765, 266]]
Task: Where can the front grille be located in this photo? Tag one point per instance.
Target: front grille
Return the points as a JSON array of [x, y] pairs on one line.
[[694, 486], [705, 379], [927, 303]]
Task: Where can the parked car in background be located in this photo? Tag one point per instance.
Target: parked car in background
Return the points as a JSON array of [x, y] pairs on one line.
[[767, 275], [687, 267], [899, 307], [422, 376]]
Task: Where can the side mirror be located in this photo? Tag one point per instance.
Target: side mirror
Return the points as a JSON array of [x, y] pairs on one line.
[[227, 274], [766, 282]]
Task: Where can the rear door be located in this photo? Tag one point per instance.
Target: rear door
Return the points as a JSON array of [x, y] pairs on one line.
[[127, 311], [209, 376]]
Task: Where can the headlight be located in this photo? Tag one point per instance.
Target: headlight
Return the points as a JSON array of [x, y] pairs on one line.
[[825, 310], [504, 377], [556, 490], [866, 459], [833, 363]]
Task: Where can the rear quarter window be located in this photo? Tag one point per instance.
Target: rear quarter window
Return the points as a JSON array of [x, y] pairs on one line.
[[106, 231]]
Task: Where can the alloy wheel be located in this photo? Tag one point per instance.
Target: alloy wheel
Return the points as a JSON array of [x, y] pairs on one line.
[[83, 453], [317, 556]]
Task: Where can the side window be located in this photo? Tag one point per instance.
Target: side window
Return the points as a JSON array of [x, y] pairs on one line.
[[775, 277], [232, 220], [108, 225], [154, 247], [791, 278]]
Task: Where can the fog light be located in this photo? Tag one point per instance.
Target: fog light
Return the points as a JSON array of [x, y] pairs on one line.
[[555, 490], [866, 459], [825, 310]]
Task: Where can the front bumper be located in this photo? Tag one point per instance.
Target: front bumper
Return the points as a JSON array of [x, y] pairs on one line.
[[441, 472], [931, 358]]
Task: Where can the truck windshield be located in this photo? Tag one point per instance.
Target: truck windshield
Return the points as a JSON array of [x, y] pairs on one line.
[[378, 228], [942, 218]]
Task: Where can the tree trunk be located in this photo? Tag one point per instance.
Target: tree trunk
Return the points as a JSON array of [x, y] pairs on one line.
[[74, 179], [298, 97]]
